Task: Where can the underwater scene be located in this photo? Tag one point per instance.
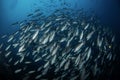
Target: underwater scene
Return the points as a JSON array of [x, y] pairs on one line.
[[59, 40]]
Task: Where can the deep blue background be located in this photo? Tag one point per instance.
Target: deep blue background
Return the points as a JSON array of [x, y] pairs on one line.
[[14, 10]]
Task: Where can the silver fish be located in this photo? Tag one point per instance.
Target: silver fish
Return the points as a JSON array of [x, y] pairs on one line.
[[10, 39], [90, 35], [46, 64], [67, 65], [8, 54], [7, 47], [33, 71], [35, 34], [86, 26], [81, 36], [21, 49], [38, 76], [38, 59], [79, 46], [18, 70], [88, 53], [54, 59]]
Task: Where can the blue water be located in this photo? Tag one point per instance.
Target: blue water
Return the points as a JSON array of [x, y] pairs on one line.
[[14, 10], [107, 11]]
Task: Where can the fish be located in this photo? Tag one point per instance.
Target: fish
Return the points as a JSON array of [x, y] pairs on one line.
[[36, 16], [38, 76], [81, 36], [11, 38], [52, 35], [15, 45], [8, 47], [99, 42], [16, 62], [75, 22], [4, 36], [86, 26], [46, 64], [89, 35], [27, 62], [63, 39], [88, 53], [10, 60], [46, 39], [22, 58], [15, 23], [55, 50], [29, 15], [21, 49], [31, 72], [1, 45], [77, 32], [68, 43], [109, 56], [38, 59], [40, 68], [8, 54], [74, 78], [64, 27], [18, 71], [77, 61], [95, 69], [113, 39], [79, 46], [67, 65], [54, 59], [62, 63], [35, 34], [37, 10]]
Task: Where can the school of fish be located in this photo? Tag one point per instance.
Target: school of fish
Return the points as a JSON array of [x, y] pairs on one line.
[[58, 47]]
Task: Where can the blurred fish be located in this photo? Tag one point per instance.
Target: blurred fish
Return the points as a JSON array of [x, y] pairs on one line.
[[31, 72], [8, 54], [90, 35], [38, 76], [29, 15], [4, 36], [79, 46], [16, 23], [18, 71], [37, 10]]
